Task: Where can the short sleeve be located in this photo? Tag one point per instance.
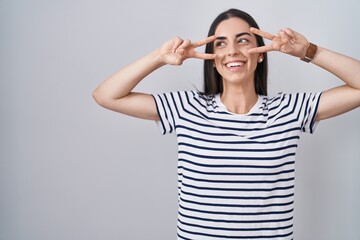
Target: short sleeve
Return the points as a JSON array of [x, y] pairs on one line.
[[308, 111], [167, 107]]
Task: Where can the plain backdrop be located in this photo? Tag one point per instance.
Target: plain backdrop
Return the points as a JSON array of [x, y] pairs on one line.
[[71, 170]]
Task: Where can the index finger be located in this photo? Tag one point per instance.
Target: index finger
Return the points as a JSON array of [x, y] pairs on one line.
[[262, 33], [204, 41], [262, 49], [204, 56]]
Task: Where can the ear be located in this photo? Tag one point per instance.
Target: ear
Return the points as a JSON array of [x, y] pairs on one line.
[[260, 58]]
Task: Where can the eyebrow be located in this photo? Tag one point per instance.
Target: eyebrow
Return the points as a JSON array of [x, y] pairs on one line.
[[237, 35]]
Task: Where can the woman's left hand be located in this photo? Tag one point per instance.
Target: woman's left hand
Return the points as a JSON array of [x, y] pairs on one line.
[[286, 41]]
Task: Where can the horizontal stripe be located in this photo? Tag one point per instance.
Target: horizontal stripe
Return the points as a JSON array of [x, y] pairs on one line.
[[225, 141], [237, 237], [237, 213], [240, 181], [236, 165], [237, 149], [235, 229], [238, 205], [239, 189], [287, 130], [238, 197], [237, 157], [238, 173], [237, 221]]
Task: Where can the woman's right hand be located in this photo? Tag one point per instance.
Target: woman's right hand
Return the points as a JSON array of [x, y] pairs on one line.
[[176, 50], [116, 92]]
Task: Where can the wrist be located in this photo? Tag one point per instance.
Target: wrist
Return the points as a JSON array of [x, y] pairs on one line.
[[310, 53], [158, 58]]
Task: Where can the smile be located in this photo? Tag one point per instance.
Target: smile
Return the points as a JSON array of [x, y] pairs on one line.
[[234, 64]]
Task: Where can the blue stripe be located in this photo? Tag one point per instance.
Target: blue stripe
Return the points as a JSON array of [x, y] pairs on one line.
[[315, 114], [276, 133], [235, 166], [239, 142], [234, 237], [170, 110], [235, 229], [236, 173], [160, 116], [238, 213], [306, 110], [282, 107], [206, 133], [236, 221], [292, 110], [236, 158], [240, 181], [237, 205], [239, 189], [238, 149], [238, 197]]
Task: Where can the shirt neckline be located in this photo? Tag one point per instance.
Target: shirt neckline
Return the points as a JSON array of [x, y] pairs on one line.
[[222, 106]]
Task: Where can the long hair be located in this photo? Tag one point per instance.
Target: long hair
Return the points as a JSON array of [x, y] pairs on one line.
[[212, 79]]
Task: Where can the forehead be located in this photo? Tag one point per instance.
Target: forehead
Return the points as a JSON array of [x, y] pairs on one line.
[[232, 26]]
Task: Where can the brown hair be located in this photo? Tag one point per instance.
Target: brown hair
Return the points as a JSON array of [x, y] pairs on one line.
[[212, 79]]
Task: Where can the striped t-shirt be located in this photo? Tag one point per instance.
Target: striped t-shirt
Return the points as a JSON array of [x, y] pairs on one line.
[[236, 171]]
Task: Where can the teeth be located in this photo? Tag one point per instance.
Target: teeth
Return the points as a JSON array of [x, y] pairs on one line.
[[234, 64]]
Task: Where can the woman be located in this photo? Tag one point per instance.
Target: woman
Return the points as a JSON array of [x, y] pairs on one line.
[[236, 145]]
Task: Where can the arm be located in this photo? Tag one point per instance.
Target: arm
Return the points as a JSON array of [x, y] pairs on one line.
[[115, 93], [334, 101], [341, 99]]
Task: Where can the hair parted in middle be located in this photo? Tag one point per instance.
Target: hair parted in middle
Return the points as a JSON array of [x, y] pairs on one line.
[[212, 79]]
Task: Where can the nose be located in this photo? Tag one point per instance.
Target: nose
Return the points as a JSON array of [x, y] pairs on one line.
[[233, 49]]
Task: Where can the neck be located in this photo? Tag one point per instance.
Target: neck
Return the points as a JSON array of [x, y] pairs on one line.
[[239, 100]]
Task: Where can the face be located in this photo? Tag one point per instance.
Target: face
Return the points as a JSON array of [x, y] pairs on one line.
[[233, 63]]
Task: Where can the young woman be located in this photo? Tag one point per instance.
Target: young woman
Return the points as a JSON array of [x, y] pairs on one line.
[[236, 145]]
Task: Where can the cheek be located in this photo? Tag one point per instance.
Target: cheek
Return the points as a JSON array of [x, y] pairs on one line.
[[220, 52], [217, 62]]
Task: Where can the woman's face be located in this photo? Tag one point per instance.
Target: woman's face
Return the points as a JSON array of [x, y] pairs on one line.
[[233, 39]]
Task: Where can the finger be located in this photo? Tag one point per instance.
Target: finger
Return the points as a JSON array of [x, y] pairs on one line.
[[284, 37], [204, 56], [262, 49], [262, 33], [291, 35], [204, 41], [289, 32], [185, 44], [177, 41], [181, 49]]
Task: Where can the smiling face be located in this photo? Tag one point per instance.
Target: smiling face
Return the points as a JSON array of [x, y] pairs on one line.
[[233, 63]]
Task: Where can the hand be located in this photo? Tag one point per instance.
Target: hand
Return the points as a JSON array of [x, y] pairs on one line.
[[286, 41], [177, 50]]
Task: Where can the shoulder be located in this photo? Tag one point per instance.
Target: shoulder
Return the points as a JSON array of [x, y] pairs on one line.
[[282, 97], [185, 98], [194, 96], [277, 99], [291, 101]]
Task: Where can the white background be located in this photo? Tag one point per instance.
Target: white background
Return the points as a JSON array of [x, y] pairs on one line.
[[70, 170]]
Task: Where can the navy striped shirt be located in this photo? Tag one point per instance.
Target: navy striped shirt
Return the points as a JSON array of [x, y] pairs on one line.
[[236, 171]]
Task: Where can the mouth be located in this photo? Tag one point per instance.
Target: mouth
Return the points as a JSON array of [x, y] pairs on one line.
[[235, 65]]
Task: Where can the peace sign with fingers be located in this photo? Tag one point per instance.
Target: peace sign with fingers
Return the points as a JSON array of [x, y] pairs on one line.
[[176, 50], [286, 41]]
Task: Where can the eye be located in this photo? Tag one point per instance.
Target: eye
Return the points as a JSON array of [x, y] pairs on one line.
[[243, 40], [219, 44]]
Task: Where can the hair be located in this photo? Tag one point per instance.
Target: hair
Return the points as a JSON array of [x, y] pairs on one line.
[[212, 79]]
